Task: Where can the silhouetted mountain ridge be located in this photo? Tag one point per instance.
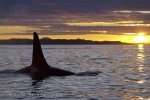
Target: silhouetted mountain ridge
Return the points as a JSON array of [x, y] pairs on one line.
[[15, 41]]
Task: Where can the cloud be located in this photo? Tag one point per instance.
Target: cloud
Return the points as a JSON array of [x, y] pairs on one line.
[[119, 23], [86, 16], [16, 29], [53, 7]]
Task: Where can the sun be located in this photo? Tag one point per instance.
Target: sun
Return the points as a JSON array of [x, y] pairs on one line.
[[140, 38]]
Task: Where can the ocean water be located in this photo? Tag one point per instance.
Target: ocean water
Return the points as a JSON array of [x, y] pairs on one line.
[[125, 73]]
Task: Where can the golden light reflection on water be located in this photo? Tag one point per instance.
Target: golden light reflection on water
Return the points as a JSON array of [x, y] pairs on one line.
[[140, 61], [135, 98], [140, 68], [140, 58], [141, 81]]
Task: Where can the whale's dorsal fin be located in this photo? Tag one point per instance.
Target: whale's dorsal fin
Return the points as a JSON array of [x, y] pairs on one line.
[[38, 57], [39, 68]]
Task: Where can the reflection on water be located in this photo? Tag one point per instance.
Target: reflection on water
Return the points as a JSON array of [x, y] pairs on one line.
[[135, 98], [140, 58], [140, 61], [141, 81], [140, 67], [137, 76]]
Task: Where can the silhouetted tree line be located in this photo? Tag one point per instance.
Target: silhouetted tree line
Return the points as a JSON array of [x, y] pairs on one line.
[[56, 41]]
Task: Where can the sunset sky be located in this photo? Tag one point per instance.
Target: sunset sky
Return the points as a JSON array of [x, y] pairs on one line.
[[109, 20]]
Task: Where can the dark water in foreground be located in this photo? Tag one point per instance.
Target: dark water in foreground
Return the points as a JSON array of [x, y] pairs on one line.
[[125, 73]]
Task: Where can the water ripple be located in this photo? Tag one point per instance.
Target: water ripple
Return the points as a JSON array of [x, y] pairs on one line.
[[125, 73]]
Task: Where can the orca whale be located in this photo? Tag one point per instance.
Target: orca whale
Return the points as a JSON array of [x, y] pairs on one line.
[[39, 68]]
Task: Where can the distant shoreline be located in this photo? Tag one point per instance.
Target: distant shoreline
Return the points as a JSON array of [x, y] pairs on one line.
[[48, 41]]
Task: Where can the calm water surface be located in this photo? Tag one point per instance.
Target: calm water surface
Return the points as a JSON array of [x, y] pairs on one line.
[[125, 73]]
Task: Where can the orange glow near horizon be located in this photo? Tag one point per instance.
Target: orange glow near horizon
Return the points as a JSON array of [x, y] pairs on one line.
[[21, 32], [93, 37], [125, 37]]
